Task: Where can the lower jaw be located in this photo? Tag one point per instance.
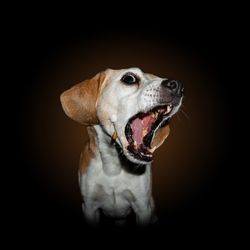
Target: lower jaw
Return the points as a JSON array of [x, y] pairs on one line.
[[147, 158]]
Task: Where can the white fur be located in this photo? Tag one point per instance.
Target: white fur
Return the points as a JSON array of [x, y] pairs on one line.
[[108, 186]]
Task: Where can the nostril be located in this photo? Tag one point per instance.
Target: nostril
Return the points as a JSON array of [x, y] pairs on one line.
[[164, 83], [170, 84]]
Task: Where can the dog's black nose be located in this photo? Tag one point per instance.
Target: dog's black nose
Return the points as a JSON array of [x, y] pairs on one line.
[[175, 87]]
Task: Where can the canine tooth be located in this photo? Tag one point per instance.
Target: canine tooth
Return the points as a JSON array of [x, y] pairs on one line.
[[168, 108], [153, 115], [144, 132]]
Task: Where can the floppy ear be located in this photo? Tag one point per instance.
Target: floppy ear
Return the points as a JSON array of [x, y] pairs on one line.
[[160, 137], [79, 102]]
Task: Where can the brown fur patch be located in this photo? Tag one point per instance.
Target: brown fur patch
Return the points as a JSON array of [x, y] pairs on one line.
[[79, 102], [89, 151], [160, 137]]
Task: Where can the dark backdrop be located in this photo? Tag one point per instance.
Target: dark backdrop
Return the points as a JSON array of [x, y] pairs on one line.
[[192, 174]]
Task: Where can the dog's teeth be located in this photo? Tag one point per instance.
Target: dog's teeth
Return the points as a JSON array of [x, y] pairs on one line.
[[154, 115], [169, 107], [144, 132], [147, 155]]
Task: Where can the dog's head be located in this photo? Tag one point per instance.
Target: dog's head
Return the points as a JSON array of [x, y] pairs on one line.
[[132, 107]]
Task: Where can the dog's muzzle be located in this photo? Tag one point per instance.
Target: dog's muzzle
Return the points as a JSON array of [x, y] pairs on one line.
[[141, 128]]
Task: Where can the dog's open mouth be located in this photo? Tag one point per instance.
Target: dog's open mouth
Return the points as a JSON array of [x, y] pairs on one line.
[[141, 128]]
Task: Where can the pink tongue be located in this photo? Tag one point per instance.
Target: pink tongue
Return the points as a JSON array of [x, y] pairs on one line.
[[138, 125]]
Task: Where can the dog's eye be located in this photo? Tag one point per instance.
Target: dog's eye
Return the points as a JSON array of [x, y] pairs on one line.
[[130, 78]]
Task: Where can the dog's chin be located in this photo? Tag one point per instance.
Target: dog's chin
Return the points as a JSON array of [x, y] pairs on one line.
[[133, 157], [138, 159]]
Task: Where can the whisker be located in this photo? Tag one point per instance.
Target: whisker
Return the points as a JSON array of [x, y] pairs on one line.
[[185, 114], [178, 117]]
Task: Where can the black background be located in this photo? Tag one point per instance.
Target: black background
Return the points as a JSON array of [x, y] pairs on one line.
[[210, 33]]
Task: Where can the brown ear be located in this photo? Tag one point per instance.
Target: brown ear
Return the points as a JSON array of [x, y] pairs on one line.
[[160, 137], [79, 102]]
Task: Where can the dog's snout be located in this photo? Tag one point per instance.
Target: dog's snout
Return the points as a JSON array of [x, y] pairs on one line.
[[170, 84], [174, 86]]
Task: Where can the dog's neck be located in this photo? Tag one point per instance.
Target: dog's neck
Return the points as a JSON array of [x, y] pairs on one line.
[[113, 161], [108, 153]]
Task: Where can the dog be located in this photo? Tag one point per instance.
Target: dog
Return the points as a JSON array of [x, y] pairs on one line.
[[127, 114]]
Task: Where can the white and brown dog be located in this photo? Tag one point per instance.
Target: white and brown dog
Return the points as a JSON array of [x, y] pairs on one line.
[[126, 113]]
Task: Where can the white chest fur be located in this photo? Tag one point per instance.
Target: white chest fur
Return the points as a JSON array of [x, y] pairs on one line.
[[107, 185]]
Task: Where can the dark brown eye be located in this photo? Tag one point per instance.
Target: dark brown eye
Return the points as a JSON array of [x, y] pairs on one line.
[[129, 78]]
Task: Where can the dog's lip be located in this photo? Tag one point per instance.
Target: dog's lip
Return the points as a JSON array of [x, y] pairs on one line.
[[145, 156], [144, 152]]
